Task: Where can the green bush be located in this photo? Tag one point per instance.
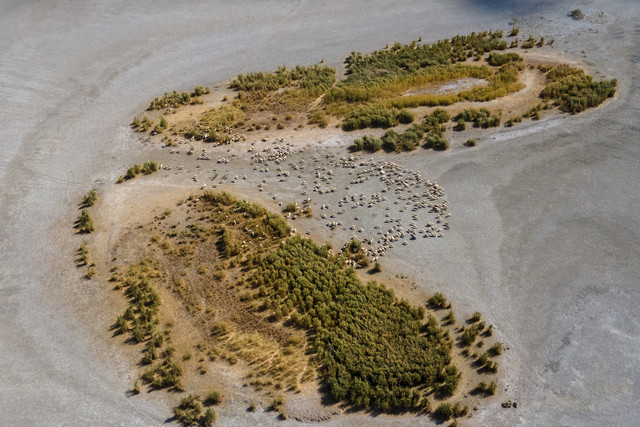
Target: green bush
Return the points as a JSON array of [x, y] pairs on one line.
[[460, 125], [310, 81], [496, 349], [170, 100]]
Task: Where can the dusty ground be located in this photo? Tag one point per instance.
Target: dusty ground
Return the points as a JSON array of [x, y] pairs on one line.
[[543, 242]]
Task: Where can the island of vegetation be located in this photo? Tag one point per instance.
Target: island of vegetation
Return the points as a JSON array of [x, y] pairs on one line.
[[390, 89], [219, 281], [286, 312]]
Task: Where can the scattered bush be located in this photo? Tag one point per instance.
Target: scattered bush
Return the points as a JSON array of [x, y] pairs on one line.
[[85, 223], [468, 336], [377, 267], [146, 168], [89, 199], [576, 14], [496, 349], [460, 125], [438, 301], [471, 142], [213, 398], [475, 317]]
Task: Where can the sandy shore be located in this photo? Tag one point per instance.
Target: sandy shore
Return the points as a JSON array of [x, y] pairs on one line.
[[543, 237]]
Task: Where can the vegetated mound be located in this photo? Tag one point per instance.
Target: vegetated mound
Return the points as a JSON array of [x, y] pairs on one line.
[[383, 89], [285, 307]]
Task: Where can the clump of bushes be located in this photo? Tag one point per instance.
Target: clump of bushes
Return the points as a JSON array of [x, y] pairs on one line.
[[170, 100], [438, 301], [574, 91], [189, 412], [486, 389], [373, 348], [371, 115], [481, 118], [446, 411], [469, 336], [146, 168]]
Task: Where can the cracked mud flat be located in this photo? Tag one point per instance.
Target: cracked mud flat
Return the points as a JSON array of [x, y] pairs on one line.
[[544, 240]]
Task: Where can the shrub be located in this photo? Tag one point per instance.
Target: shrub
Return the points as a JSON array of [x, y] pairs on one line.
[[291, 207], [471, 142], [188, 411], [406, 116], [514, 31], [85, 223], [377, 267], [475, 317], [367, 143], [498, 59], [213, 398], [437, 142], [468, 336], [576, 14], [438, 301], [443, 412], [208, 418], [89, 199], [170, 100], [460, 125], [496, 349], [440, 115], [450, 318]]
